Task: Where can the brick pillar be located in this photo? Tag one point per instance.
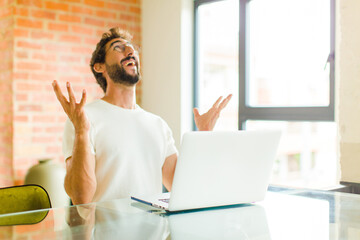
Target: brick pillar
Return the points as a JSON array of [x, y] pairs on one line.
[[47, 40]]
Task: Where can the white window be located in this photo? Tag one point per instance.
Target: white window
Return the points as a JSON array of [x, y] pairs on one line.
[[277, 58]]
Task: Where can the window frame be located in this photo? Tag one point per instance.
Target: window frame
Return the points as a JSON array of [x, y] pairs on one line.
[[246, 112]]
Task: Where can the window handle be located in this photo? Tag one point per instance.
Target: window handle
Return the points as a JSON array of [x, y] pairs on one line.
[[329, 59]]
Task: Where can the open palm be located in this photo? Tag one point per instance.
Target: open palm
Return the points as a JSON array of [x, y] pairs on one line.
[[74, 110], [207, 121]]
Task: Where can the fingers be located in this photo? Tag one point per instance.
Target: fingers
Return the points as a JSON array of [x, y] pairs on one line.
[[72, 100], [83, 98], [59, 94], [196, 113], [57, 90], [225, 102], [217, 102], [71, 94], [222, 104]]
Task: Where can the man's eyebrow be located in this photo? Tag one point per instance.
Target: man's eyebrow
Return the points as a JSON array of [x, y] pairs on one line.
[[114, 43]]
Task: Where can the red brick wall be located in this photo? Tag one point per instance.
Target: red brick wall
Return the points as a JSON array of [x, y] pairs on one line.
[[6, 103], [51, 40]]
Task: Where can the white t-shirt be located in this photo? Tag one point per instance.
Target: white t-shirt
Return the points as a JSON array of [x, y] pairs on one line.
[[130, 147]]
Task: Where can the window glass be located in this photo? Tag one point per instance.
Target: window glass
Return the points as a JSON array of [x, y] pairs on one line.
[[306, 154], [286, 51], [217, 51], [289, 44]]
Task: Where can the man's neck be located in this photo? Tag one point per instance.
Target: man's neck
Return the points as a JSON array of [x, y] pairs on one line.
[[121, 95]]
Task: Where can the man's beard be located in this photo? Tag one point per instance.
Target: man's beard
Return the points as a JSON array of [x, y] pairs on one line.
[[118, 74]]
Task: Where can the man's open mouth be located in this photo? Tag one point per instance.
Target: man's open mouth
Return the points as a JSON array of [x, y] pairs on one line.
[[130, 63]]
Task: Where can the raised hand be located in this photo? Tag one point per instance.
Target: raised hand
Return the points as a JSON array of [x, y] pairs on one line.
[[74, 110], [207, 121]]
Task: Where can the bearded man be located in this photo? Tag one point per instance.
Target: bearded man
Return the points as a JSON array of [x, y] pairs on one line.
[[113, 148]]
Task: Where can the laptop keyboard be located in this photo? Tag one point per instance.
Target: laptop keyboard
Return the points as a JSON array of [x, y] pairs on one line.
[[165, 200]]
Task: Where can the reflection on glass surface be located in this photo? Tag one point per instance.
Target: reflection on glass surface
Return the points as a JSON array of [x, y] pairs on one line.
[[125, 222], [293, 217], [306, 155], [218, 40], [289, 45], [244, 222], [298, 214]]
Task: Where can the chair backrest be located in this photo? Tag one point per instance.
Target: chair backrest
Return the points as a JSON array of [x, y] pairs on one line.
[[21, 199]]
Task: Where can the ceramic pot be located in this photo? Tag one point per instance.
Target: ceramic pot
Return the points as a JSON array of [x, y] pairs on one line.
[[51, 177]]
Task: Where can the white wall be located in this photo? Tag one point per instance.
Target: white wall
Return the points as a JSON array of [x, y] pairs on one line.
[[167, 62], [348, 88]]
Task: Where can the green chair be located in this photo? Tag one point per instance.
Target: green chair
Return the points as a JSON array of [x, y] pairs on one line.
[[19, 199]]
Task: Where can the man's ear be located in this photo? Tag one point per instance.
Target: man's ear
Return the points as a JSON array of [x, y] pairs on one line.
[[99, 67]]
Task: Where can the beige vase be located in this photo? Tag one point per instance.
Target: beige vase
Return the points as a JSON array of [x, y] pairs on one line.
[[50, 176]]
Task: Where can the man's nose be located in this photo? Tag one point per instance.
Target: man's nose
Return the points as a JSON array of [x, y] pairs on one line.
[[129, 50]]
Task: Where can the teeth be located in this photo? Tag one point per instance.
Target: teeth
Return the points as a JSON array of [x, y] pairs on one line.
[[129, 63]]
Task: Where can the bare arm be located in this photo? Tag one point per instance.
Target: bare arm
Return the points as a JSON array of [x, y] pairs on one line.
[[80, 180], [168, 171]]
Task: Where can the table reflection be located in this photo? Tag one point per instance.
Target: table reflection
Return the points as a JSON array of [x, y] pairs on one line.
[[123, 220], [241, 222], [296, 215], [117, 219]]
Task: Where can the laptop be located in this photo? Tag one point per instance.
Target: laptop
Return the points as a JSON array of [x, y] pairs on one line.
[[218, 168]]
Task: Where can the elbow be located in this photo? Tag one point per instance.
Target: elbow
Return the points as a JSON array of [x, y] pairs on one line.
[[81, 199], [83, 196], [80, 193]]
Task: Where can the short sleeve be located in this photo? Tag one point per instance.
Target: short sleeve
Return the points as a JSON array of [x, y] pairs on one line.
[[68, 140], [170, 142]]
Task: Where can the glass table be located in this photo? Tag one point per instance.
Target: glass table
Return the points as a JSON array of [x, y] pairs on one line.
[[290, 214]]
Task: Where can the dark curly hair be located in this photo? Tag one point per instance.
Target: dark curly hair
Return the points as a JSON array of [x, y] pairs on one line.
[[98, 56]]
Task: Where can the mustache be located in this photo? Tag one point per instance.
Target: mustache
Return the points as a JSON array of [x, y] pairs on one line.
[[128, 58]]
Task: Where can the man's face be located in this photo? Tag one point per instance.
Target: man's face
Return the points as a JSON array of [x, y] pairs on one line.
[[122, 62]]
